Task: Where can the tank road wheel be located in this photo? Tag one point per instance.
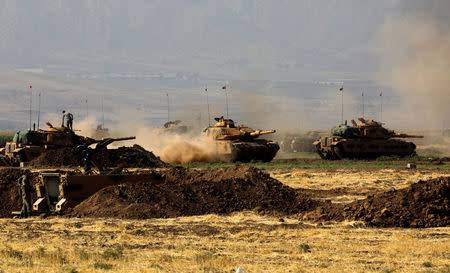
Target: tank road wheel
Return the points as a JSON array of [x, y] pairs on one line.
[[321, 154], [21, 157], [338, 153]]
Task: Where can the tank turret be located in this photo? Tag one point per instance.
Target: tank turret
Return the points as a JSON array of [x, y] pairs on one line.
[[368, 139], [241, 143], [225, 129], [367, 129]]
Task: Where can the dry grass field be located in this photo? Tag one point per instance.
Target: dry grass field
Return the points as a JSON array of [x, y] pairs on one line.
[[347, 185], [213, 243], [217, 244]]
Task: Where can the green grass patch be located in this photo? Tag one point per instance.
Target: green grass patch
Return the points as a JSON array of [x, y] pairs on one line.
[[291, 155], [305, 163]]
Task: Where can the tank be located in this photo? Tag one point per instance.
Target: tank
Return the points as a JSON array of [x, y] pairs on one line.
[[172, 127], [241, 143], [101, 132], [29, 144], [369, 139], [299, 142]]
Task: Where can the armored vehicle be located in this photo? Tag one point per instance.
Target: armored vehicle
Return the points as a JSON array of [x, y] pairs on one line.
[[101, 132], [240, 143], [58, 191], [29, 144], [172, 127], [369, 139], [299, 142]]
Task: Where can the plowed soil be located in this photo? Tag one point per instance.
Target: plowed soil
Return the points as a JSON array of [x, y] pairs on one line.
[[423, 204], [183, 192], [179, 191], [7, 162], [126, 157]]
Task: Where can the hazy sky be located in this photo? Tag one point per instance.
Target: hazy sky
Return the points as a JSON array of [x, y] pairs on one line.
[[110, 48], [213, 37]]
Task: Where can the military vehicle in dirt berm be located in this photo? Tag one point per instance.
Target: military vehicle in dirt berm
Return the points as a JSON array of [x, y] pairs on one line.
[[240, 143], [29, 144], [369, 139]]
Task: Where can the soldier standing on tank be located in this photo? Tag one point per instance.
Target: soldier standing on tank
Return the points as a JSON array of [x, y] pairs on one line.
[[25, 194], [69, 120]]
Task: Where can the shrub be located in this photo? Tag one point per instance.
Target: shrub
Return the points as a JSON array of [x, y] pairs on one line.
[[304, 247]]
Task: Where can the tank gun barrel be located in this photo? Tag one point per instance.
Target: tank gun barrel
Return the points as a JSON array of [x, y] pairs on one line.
[[258, 133], [112, 139], [118, 138], [405, 135]]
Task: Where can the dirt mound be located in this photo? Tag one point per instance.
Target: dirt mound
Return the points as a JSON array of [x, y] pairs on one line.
[[129, 157], [57, 158], [9, 191], [183, 192], [7, 162], [126, 157], [423, 204]]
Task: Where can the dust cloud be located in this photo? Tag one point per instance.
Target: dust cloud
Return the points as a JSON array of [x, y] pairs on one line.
[[415, 58], [414, 50], [85, 127], [171, 148], [260, 106], [178, 148], [200, 150]]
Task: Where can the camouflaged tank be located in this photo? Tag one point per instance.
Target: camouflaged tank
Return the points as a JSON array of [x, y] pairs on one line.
[[29, 144], [241, 143], [369, 139]]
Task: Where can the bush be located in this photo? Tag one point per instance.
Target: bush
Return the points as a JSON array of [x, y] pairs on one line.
[[305, 248]]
